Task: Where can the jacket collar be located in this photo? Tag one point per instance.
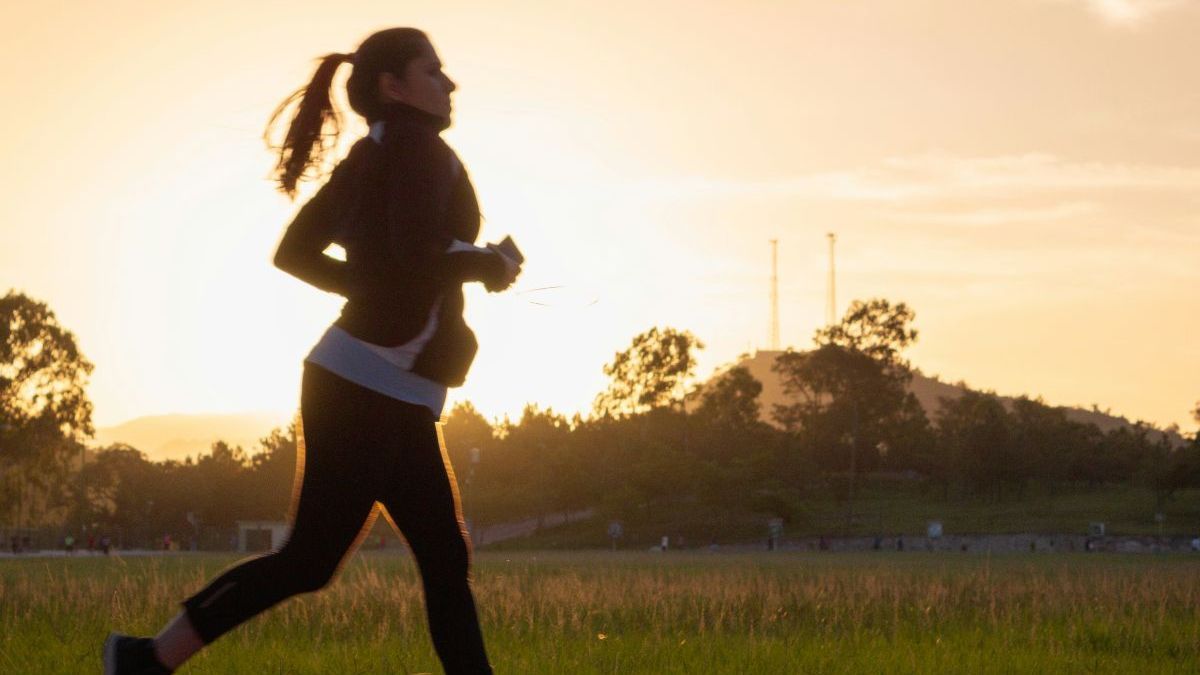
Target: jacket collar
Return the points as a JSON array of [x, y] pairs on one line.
[[402, 113]]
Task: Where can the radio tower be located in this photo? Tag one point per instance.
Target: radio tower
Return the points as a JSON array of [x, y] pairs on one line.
[[831, 301], [775, 295]]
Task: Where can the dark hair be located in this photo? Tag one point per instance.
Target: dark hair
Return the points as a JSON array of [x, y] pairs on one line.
[[303, 149]]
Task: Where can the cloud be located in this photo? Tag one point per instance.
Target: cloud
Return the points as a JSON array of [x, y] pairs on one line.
[[1036, 172], [1128, 12], [998, 216], [937, 176], [852, 185]]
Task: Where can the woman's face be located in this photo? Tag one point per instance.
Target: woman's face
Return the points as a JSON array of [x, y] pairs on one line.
[[424, 85]]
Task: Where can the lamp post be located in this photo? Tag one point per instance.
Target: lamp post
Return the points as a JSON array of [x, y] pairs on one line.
[[82, 489], [474, 454], [853, 439]]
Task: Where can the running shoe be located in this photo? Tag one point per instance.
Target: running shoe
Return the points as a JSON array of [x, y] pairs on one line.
[[127, 655]]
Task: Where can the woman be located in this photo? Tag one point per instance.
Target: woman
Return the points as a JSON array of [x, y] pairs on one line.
[[374, 385]]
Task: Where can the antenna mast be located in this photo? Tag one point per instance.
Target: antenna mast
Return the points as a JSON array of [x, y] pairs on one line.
[[831, 301], [775, 295]]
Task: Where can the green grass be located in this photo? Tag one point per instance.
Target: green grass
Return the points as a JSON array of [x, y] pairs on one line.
[[647, 613]]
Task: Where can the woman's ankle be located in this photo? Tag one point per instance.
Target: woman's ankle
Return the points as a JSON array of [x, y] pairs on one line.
[[177, 642]]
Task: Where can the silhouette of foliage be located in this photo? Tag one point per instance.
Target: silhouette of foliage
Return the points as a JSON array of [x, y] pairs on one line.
[[44, 409], [710, 468], [652, 373], [731, 401], [873, 327], [849, 393]]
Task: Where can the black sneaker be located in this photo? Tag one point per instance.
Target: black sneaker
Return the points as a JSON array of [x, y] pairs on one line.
[[125, 655]]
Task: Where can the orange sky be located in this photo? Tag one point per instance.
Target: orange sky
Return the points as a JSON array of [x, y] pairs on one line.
[[1025, 173]]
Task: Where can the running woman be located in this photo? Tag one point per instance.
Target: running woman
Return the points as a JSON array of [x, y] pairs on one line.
[[402, 208]]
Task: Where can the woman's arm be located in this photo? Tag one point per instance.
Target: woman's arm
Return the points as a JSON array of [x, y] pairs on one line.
[[468, 262], [428, 188], [301, 252]]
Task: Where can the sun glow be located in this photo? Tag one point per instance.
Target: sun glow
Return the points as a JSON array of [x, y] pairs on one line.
[[1042, 227]]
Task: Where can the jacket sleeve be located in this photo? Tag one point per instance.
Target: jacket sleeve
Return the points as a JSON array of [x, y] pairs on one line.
[[301, 252], [463, 264]]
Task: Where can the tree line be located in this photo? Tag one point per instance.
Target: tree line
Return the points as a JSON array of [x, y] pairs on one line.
[[656, 446]]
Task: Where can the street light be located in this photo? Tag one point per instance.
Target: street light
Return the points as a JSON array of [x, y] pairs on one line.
[[474, 455]]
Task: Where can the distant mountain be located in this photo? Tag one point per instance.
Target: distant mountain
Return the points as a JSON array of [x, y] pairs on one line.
[[928, 390], [177, 436]]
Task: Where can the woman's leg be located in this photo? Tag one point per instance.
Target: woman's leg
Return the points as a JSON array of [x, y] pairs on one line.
[[422, 501], [331, 511]]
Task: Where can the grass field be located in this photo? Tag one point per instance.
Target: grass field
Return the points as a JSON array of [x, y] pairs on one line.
[[650, 613]]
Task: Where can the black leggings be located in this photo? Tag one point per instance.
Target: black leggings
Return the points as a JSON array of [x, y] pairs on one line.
[[360, 447]]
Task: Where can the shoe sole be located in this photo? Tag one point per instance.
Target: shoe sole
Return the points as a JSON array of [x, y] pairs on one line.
[[110, 654]]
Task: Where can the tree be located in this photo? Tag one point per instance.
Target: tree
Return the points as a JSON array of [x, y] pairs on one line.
[[849, 392], [1043, 437], [469, 440], [1196, 416], [528, 474], [44, 409], [851, 388], [731, 401], [909, 442], [1182, 471], [465, 428], [273, 477], [124, 489], [874, 327], [652, 373], [978, 438], [219, 485]]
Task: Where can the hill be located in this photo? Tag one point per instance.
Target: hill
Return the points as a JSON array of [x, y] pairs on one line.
[[177, 436], [928, 390]]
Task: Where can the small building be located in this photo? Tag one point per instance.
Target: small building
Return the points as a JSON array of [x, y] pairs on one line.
[[261, 535]]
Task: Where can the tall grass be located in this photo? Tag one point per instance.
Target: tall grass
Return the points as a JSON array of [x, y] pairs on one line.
[[696, 613]]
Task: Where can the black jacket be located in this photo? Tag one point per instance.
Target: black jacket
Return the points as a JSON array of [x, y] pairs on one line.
[[395, 207]]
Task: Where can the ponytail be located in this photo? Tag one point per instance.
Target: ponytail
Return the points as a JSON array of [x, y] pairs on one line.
[[305, 145]]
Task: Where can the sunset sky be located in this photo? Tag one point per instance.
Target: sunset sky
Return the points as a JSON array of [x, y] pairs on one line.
[[1024, 173]]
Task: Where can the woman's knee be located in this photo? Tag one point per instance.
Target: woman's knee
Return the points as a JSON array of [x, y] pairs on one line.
[[446, 561], [303, 572]]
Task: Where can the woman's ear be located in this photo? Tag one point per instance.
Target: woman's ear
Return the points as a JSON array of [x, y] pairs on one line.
[[391, 88]]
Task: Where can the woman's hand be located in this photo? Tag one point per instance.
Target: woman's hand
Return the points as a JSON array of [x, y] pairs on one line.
[[512, 269]]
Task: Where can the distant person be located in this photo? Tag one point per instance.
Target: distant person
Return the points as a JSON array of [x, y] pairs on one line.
[[402, 208], [69, 544], [105, 544], [91, 543]]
